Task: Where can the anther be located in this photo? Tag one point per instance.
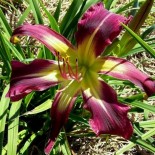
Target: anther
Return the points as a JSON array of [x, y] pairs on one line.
[[70, 71], [65, 63]]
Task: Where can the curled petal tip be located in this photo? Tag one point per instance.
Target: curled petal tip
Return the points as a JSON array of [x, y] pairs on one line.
[[14, 40], [49, 147]]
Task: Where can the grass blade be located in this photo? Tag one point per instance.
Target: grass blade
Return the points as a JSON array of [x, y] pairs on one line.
[[68, 33], [36, 11], [140, 41], [23, 16], [143, 105], [136, 141], [24, 149], [3, 114], [42, 107], [53, 22], [108, 4], [138, 49], [88, 4], [127, 42], [5, 24], [72, 11], [147, 124], [57, 11], [13, 128], [5, 54], [148, 31], [64, 144]]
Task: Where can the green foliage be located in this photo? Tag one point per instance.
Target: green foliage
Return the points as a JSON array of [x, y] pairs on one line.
[[25, 123]]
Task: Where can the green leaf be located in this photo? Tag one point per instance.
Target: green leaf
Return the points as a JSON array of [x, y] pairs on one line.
[[140, 41], [145, 145], [134, 8], [143, 105], [5, 24], [148, 31], [36, 11], [147, 124], [138, 49], [127, 42], [57, 11], [13, 128], [28, 99], [27, 144], [72, 26], [122, 8], [5, 53], [139, 142], [64, 144], [108, 4], [22, 134], [140, 17], [23, 16], [78, 119], [4, 103], [71, 12], [88, 4], [140, 132], [53, 22], [69, 32], [42, 107]]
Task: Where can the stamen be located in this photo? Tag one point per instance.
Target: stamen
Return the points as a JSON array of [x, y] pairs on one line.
[[58, 54], [62, 68], [70, 71], [76, 74]]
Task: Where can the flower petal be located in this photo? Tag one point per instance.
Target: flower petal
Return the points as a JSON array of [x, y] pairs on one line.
[[60, 110], [124, 70], [51, 39], [97, 29], [108, 115], [36, 76]]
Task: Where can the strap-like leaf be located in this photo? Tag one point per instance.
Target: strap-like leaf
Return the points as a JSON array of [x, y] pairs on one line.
[[36, 11], [3, 114], [140, 41], [127, 42], [139, 142], [13, 128], [42, 107]]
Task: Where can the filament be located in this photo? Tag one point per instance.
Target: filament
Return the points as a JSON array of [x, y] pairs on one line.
[[61, 72], [70, 71]]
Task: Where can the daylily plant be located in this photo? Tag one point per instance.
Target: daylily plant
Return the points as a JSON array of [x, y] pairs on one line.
[[77, 71]]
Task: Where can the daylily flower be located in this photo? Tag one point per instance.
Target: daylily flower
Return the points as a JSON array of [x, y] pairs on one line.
[[77, 70]]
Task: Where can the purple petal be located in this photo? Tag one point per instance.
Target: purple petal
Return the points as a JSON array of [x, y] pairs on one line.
[[108, 115], [97, 29], [124, 70], [36, 76], [51, 39], [60, 110]]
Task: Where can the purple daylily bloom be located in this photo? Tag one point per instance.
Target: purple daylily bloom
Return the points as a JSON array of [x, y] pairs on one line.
[[77, 71]]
